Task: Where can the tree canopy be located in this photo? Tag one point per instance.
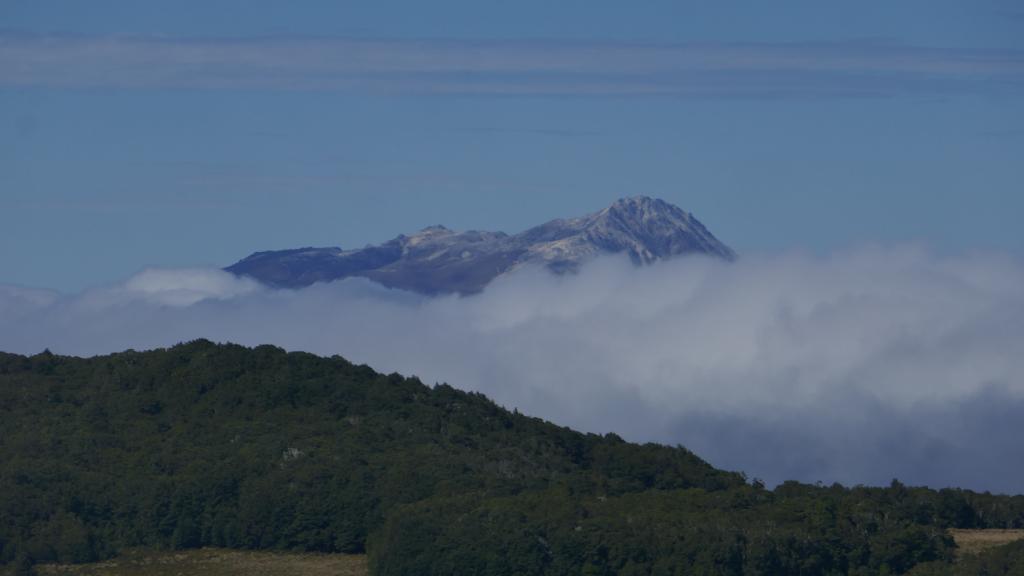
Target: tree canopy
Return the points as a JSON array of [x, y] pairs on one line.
[[255, 448]]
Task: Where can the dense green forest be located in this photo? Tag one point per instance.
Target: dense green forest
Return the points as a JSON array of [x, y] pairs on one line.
[[222, 445]]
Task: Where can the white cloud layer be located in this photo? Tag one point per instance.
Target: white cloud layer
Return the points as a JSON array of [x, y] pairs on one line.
[[857, 367]]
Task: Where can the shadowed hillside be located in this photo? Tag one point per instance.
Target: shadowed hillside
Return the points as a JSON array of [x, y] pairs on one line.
[[221, 445]]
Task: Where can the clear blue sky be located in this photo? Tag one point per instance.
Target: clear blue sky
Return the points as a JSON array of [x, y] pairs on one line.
[[137, 134]]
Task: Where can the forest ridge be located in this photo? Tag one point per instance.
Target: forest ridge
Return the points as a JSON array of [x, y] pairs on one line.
[[254, 448]]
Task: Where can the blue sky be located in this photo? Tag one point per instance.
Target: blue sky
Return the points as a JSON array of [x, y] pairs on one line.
[[137, 134]]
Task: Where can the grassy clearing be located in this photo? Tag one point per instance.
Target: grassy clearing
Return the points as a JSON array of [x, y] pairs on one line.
[[974, 541], [215, 562], [221, 562]]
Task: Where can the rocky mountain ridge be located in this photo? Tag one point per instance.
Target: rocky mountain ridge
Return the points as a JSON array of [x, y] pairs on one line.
[[437, 260]]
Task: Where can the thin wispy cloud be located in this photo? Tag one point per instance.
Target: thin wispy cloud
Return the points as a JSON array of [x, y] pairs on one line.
[[507, 68], [857, 367]]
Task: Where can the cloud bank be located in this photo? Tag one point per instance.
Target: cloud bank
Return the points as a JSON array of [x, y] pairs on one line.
[[852, 69], [857, 367]]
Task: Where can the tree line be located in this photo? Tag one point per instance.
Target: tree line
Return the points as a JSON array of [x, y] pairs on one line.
[[255, 448]]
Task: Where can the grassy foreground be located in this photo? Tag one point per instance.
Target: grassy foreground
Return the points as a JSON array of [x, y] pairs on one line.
[[975, 541], [222, 562], [215, 562]]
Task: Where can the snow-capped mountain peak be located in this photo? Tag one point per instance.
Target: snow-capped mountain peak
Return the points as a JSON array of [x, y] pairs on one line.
[[439, 260]]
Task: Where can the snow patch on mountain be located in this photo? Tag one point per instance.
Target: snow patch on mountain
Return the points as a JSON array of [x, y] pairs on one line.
[[438, 260]]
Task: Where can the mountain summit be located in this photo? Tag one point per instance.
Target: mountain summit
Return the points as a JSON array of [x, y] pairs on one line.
[[437, 260]]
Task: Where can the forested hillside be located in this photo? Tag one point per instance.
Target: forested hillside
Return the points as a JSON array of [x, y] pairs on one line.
[[221, 445]]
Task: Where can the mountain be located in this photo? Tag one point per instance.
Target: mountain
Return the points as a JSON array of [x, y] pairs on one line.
[[438, 260]]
